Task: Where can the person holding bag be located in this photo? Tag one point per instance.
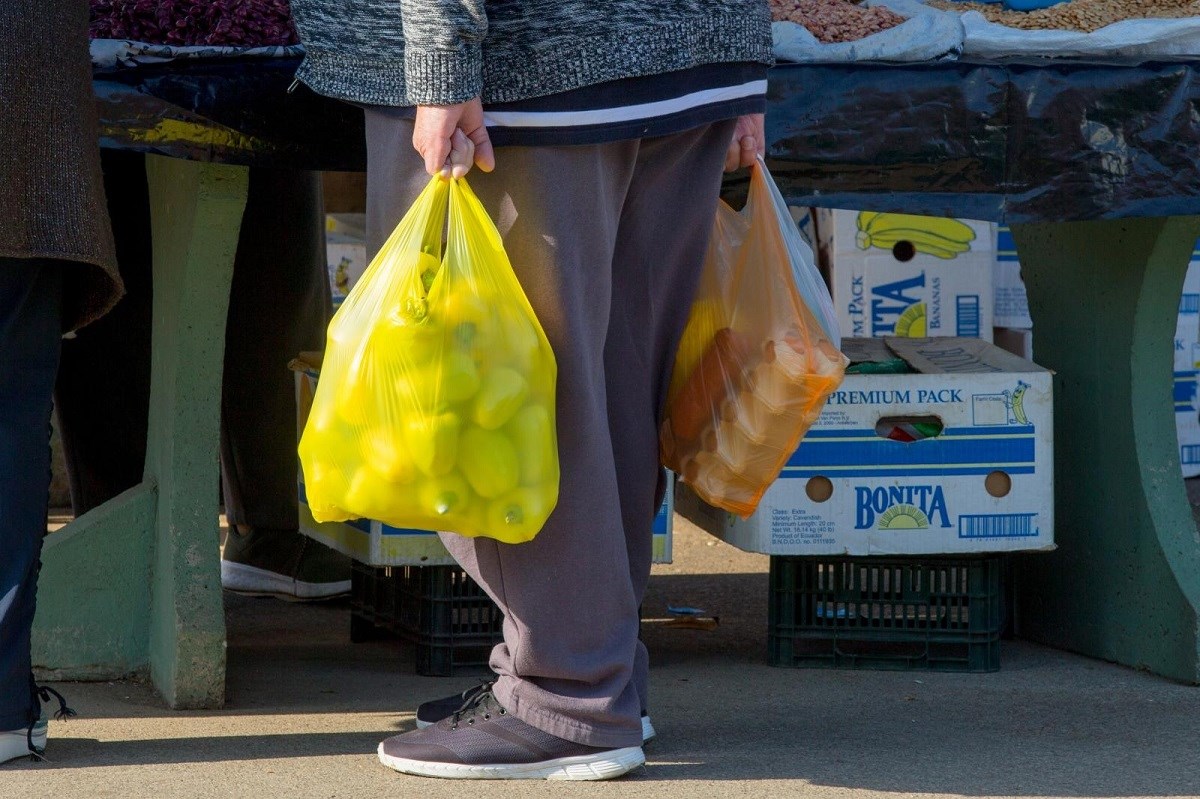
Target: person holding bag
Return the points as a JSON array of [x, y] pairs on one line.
[[601, 131]]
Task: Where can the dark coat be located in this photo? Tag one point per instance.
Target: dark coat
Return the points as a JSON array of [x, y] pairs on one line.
[[51, 189]]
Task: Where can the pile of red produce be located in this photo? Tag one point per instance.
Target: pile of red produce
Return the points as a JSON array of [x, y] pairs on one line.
[[235, 23], [834, 21]]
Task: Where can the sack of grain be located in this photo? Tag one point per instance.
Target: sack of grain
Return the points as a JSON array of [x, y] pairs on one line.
[[839, 31], [1124, 29]]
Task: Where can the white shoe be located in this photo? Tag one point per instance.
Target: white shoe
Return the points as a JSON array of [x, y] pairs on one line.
[[648, 732], [15, 743], [253, 581]]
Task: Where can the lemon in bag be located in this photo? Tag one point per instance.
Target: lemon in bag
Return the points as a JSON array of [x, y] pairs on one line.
[[489, 461], [501, 395], [444, 495], [433, 441], [532, 434], [518, 514]]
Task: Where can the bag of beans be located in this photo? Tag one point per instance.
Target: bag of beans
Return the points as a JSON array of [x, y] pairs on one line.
[[841, 31]]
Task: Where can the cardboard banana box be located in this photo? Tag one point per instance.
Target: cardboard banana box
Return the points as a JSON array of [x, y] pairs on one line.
[[904, 275]]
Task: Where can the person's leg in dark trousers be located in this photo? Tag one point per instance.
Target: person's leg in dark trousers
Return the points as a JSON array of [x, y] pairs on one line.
[[570, 659], [102, 396], [30, 333], [656, 268], [279, 306]]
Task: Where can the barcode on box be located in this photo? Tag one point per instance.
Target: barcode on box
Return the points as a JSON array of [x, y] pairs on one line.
[[968, 315], [1189, 303], [1011, 525], [1190, 454]]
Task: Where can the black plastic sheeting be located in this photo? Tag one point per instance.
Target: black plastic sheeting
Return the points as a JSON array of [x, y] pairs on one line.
[[230, 111], [1009, 143], [1005, 142]]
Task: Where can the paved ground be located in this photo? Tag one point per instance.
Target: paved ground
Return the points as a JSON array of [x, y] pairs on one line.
[[306, 709]]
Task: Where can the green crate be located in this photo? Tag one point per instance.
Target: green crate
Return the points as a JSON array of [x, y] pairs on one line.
[[930, 613], [451, 622]]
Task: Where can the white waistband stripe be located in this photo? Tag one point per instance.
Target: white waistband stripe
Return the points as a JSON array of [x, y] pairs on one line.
[[627, 113]]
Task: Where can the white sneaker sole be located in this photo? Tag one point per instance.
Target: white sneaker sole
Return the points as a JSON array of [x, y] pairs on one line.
[[604, 766], [243, 579], [648, 733], [15, 743]]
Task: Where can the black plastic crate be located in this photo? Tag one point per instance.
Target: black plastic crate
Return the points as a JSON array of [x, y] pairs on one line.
[[931, 613], [440, 609]]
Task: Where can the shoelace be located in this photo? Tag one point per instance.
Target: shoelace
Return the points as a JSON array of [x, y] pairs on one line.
[[481, 703], [471, 693], [44, 693]]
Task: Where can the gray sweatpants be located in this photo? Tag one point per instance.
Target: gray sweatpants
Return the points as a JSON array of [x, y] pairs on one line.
[[607, 241]]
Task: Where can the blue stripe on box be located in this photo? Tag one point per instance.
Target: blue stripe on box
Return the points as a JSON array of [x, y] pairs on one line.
[[929, 452], [660, 520], [387, 529], [1185, 389], [906, 471], [997, 431], [1006, 246]]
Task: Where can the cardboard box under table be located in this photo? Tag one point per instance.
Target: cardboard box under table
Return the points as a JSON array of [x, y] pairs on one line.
[[1011, 301], [897, 282], [1187, 361], [345, 252], [954, 456], [374, 543]]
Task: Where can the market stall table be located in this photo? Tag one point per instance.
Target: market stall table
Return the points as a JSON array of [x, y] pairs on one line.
[[1095, 166]]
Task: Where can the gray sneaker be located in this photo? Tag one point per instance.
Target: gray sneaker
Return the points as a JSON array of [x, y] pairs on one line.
[[482, 741], [433, 711], [282, 563]]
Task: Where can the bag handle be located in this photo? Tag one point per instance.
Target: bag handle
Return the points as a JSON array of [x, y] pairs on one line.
[[766, 195]]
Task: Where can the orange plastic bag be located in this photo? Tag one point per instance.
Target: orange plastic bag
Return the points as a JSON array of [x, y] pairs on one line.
[[757, 360]]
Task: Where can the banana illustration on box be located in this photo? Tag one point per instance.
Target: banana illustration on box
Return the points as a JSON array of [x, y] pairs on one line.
[[1016, 403], [341, 277], [932, 235]]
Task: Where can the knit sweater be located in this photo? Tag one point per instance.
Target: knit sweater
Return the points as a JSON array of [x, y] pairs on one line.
[[437, 52], [52, 200]]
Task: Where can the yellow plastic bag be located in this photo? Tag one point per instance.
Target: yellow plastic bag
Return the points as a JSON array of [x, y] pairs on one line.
[[435, 407], [758, 358]]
